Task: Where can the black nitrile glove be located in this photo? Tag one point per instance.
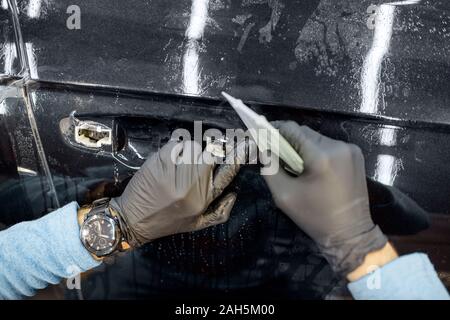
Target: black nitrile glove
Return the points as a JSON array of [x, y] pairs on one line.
[[329, 200], [172, 191]]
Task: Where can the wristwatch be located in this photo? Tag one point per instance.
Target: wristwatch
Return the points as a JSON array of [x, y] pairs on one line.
[[100, 229]]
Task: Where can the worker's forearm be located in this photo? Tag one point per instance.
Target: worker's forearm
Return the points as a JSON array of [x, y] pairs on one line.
[[37, 253], [384, 275]]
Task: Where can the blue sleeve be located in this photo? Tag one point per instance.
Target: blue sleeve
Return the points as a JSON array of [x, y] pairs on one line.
[[410, 277], [37, 253]]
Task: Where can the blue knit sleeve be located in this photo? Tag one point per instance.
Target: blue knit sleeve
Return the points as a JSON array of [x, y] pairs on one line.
[[410, 277], [37, 253]]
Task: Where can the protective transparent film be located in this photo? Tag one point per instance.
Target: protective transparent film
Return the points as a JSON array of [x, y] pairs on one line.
[[25, 189], [9, 64]]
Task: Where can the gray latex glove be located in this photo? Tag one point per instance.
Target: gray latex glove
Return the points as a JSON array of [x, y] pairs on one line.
[[171, 194], [329, 200]]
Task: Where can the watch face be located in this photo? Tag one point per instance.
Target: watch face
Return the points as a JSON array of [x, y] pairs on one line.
[[99, 235]]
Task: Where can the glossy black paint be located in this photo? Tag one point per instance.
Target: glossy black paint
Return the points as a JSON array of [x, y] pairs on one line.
[[313, 56], [405, 156]]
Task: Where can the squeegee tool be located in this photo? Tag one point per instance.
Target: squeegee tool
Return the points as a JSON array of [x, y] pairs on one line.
[[266, 136]]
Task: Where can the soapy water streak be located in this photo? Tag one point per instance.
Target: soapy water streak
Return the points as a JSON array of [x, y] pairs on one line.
[[194, 34], [383, 21], [372, 64], [386, 167]]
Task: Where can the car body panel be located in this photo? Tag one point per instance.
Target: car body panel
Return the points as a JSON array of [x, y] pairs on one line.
[[316, 54]]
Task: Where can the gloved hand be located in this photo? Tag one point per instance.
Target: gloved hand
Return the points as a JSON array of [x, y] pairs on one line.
[[329, 200], [172, 191]]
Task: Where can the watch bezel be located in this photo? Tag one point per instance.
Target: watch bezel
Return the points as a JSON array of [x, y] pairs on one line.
[[116, 232]]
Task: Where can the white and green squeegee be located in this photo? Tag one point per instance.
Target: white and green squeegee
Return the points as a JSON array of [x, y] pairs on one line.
[[257, 125]]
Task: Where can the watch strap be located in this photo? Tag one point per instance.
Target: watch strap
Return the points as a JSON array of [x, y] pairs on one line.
[[123, 244], [127, 232]]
